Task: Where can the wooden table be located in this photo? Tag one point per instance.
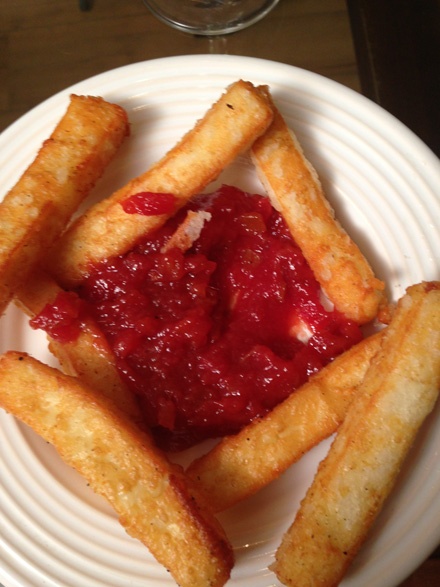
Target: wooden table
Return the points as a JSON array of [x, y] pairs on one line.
[[385, 49], [397, 44]]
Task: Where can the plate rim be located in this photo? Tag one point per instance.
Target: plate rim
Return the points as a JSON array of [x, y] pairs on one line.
[[182, 61]]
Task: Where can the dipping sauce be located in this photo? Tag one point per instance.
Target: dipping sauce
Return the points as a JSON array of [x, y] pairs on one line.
[[216, 335]]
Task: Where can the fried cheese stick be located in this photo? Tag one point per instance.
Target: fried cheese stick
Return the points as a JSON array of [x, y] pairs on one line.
[[268, 446], [352, 483], [37, 209], [295, 190], [149, 494], [229, 127], [86, 355]]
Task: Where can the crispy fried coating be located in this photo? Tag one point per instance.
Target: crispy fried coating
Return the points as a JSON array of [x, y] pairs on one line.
[[242, 464], [295, 190], [228, 128], [149, 494], [352, 483], [88, 355], [37, 209]]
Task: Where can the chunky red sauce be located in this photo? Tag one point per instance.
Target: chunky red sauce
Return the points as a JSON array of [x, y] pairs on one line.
[[149, 204], [62, 318], [206, 338]]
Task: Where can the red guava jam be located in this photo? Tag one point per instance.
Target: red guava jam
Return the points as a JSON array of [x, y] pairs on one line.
[[212, 337], [150, 204], [62, 318]]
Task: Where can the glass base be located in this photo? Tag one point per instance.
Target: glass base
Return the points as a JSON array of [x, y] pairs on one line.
[[210, 17]]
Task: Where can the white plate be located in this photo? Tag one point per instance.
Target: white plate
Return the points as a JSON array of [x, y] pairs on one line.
[[383, 183]]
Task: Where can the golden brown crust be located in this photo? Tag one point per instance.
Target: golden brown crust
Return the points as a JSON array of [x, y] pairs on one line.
[[37, 209], [88, 356], [295, 190], [149, 494], [271, 444], [352, 483], [228, 128], [167, 510]]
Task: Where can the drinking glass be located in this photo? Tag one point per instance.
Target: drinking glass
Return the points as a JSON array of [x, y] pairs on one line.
[[210, 17]]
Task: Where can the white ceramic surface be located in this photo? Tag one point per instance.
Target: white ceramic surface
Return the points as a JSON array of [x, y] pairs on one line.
[[383, 183]]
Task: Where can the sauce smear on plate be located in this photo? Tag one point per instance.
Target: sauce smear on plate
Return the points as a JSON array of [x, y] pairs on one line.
[[216, 335]]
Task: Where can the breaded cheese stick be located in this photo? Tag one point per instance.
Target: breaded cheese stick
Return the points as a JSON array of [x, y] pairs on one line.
[[295, 190], [229, 127], [271, 444], [352, 483], [37, 209], [87, 354], [149, 494]]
